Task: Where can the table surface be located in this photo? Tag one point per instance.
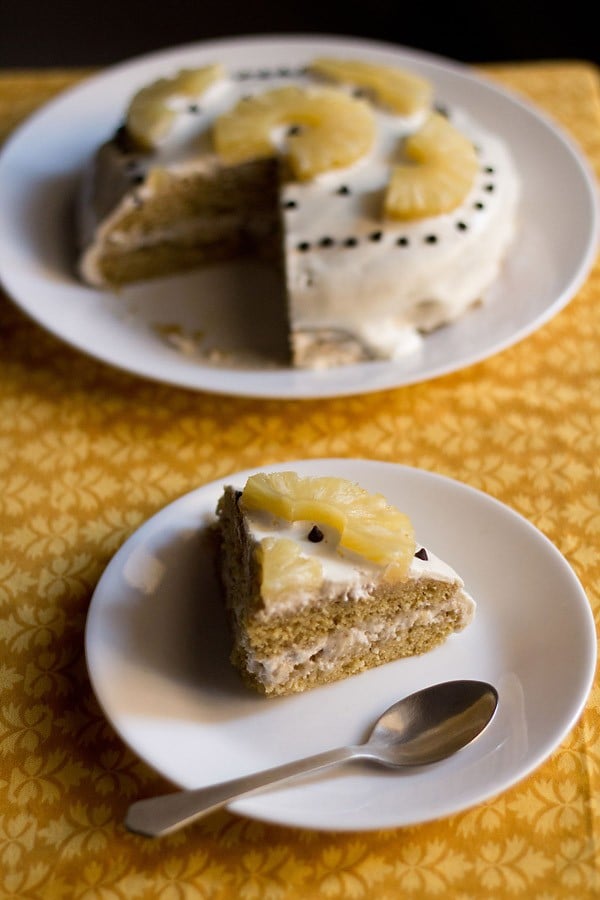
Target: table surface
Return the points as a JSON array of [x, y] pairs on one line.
[[88, 453]]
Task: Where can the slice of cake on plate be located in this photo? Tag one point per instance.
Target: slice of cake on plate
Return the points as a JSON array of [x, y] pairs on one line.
[[323, 580], [382, 217]]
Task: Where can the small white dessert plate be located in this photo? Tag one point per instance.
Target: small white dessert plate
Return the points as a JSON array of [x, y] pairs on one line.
[[151, 330], [157, 652]]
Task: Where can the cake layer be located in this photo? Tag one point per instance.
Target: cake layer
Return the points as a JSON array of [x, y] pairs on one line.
[[330, 655]]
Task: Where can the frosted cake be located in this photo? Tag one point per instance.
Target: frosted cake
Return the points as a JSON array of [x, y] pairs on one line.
[[323, 580], [383, 215]]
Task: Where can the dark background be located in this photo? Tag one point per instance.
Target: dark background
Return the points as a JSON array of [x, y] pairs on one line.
[[62, 33]]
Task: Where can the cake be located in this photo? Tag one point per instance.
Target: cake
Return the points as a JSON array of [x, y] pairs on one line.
[[382, 214], [323, 580]]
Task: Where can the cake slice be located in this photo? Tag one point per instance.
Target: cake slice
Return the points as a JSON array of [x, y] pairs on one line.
[[323, 580]]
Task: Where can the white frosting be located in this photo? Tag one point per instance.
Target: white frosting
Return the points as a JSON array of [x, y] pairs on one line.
[[379, 292]]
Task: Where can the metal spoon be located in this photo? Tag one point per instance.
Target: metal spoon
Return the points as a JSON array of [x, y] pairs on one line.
[[423, 728]]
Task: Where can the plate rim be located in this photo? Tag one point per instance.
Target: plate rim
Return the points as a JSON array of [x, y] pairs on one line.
[[588, 655], [262, 383]]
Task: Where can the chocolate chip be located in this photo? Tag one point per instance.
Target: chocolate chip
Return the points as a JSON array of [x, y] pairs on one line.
[[238, 494], [303, 246], [431, 239], [462, 226], [344, 189], [479, 205], [489, 169], [350, 242], [326, 242], [294, 130], [122, 139], [315, 534], [376, 235], [193, 108], [290, 204], [422, 554], [489, 188], [402, 242]]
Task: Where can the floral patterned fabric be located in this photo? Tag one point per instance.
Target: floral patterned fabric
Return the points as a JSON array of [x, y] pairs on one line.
[[88, 453]]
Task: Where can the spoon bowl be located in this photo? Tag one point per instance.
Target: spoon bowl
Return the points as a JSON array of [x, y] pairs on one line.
[[422, 728], [433, 723]]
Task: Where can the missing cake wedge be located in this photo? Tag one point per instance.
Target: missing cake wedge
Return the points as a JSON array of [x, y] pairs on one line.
[[323, 580]]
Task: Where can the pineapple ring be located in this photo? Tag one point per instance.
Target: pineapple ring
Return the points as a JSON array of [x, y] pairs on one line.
[[333, 130], [367, 524], [440, 175], [396, 89], [150, 116]]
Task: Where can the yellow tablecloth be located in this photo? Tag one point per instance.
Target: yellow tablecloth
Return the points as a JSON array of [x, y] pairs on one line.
[[87, 454]]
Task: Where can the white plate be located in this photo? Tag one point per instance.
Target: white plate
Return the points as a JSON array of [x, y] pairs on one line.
[[41, 163], [157, 652]]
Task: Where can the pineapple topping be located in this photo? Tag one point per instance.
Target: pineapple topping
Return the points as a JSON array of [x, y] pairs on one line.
[[151, 114], [326, 129], [285, 571], [440, 172], [366, 523], [395, 89]]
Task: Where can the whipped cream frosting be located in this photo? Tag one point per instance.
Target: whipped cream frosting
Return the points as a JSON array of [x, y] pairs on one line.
[[351, 274]]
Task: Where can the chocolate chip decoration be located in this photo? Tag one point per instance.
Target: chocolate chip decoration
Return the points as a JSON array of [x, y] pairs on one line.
[[422, 554], [315, 535]]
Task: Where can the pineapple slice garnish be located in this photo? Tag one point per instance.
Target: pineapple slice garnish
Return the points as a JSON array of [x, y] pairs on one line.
[[327, 129], [150, 116], [366, 523], [396, 89], [440, 173], [284, 571]]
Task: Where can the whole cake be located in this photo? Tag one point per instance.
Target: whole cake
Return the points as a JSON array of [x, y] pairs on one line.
[[383, 215], [323, 580]]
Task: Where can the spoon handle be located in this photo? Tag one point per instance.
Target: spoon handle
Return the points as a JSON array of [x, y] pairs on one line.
[[156, 816]]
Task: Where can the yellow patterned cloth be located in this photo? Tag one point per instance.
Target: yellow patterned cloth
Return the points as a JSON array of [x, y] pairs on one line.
[[88, 453]]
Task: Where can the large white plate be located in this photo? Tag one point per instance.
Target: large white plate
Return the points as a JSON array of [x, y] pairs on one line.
[[39, 169], [157, 652]]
